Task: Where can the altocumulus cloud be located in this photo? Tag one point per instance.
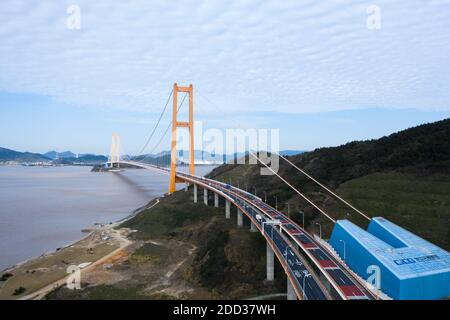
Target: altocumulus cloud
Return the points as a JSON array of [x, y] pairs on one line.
[[288, 56]]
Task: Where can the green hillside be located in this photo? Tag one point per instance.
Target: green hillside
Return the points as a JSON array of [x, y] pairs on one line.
[[404, 177]]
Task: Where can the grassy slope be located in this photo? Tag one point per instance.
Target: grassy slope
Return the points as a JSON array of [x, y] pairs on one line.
[[418, 203]]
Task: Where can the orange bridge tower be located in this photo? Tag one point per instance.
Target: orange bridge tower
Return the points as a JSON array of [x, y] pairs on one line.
[[175, 124]]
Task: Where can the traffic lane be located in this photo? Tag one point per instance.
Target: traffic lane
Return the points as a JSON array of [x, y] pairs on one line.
[[350, 287], [300, 270], [343, 282], [297, 269], [311, 290], [360, 290], [320, 256], [308, 285]]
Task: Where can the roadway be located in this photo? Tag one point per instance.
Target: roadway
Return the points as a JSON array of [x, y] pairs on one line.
[[297, 268], [346, 285]]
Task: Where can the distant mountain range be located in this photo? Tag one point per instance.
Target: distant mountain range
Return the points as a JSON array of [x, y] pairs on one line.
[[163, 157], [200, 156], [67, 157], [12, 155]]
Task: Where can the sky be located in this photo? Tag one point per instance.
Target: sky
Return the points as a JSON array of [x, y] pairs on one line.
[[321, 72]]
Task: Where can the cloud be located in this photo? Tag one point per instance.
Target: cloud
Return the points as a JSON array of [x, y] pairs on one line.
[[286, 56]]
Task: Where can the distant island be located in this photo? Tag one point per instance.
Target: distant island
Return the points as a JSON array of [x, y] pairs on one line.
[[8, 156]]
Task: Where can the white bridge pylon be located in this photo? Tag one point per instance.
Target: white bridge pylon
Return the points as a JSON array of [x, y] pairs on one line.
[[114, 152]]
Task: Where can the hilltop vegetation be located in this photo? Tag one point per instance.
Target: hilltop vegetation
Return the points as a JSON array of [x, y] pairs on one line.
[[403, 177], [422, 149]]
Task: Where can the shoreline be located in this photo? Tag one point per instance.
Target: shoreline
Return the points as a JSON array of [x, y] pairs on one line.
[[119, 240], [91, 229], [35, 273], [36, 226]]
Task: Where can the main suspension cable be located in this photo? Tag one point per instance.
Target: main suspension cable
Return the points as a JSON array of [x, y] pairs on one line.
[[293, 188], [164, 134], [324, 187], [157, 124]]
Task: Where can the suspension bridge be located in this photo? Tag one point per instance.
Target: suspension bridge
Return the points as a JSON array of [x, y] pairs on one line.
[[313, 270]]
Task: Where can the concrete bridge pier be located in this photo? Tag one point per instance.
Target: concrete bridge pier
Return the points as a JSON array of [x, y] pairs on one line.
[[227, 209], [216, 200], [239, 218], [290, 291], [269, 262], [195, 193], [253, 227], [186, 187], [205, 196]]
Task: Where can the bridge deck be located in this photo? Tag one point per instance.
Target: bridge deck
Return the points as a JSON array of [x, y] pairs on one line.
[[346, 285]]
